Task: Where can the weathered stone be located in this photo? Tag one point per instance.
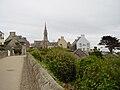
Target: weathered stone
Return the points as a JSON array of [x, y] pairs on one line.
[[34, 77]]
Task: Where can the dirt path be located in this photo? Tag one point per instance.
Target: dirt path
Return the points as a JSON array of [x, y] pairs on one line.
[[10, 72]]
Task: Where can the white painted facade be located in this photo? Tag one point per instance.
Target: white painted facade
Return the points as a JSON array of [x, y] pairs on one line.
[[83, 44]]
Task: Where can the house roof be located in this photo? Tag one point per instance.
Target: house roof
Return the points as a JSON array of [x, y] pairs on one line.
[[37, 41], [23, 40], [12, 39], [76, 40], [52, 44], [1, 32], [79, 53]]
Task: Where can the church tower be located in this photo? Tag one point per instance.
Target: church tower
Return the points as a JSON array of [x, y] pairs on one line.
[[45, 40]]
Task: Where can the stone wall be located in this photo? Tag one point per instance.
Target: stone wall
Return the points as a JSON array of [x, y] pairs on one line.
[[3, 54], [34, 77]]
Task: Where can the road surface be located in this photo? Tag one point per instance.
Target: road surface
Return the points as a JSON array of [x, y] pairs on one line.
[[10, 72]]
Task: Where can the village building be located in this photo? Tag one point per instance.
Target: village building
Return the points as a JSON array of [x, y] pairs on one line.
[[62, 42], [1, 38], [45, 43], [45, 39], [81, 43], [14, 41], [68, 45]]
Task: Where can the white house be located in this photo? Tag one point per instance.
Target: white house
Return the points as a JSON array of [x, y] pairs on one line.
[[82, 43], [1, 38]]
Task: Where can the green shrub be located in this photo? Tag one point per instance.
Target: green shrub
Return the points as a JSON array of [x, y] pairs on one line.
[[59, 61], [97, 54], [36, 53], [62, 64], [94, 74]]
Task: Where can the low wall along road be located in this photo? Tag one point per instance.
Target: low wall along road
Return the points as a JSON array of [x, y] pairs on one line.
[[34, 77], [24, 73]]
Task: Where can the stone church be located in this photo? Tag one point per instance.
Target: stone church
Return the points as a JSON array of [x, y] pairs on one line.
[[45, 42]]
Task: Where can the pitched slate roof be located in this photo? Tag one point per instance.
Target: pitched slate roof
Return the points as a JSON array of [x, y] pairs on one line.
[[79, 53], [76, 40], [52, 44], [13, 38]]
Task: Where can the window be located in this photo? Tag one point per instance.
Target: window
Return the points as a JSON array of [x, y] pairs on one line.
[[80, 45], [84, 45], [88, 45], [61, 45]]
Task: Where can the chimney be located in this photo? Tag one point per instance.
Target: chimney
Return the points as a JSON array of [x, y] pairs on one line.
[[12, 34], [19, 37]]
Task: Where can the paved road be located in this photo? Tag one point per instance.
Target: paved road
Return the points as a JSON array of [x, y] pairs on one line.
[[10, 72]]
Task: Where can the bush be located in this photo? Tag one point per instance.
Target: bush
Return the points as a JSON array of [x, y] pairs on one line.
[[59, 61], [62, 64], [90, 73], [36, 53], [97, 54], [95, 74]]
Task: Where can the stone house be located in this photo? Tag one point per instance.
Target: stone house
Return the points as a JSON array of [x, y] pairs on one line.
[[14, 41], [62, 42], [1, 38]]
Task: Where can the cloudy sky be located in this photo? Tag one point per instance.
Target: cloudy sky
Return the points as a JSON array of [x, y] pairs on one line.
[[68, 18]]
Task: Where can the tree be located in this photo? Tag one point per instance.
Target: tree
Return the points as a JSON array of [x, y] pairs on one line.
[[110, 42]]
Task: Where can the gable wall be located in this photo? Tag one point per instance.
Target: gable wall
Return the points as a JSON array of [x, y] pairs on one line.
[[83, 45], [62, 43]]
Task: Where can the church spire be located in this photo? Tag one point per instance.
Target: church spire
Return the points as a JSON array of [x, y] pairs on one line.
[[45, 33], [45, 27], [45, 40]]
